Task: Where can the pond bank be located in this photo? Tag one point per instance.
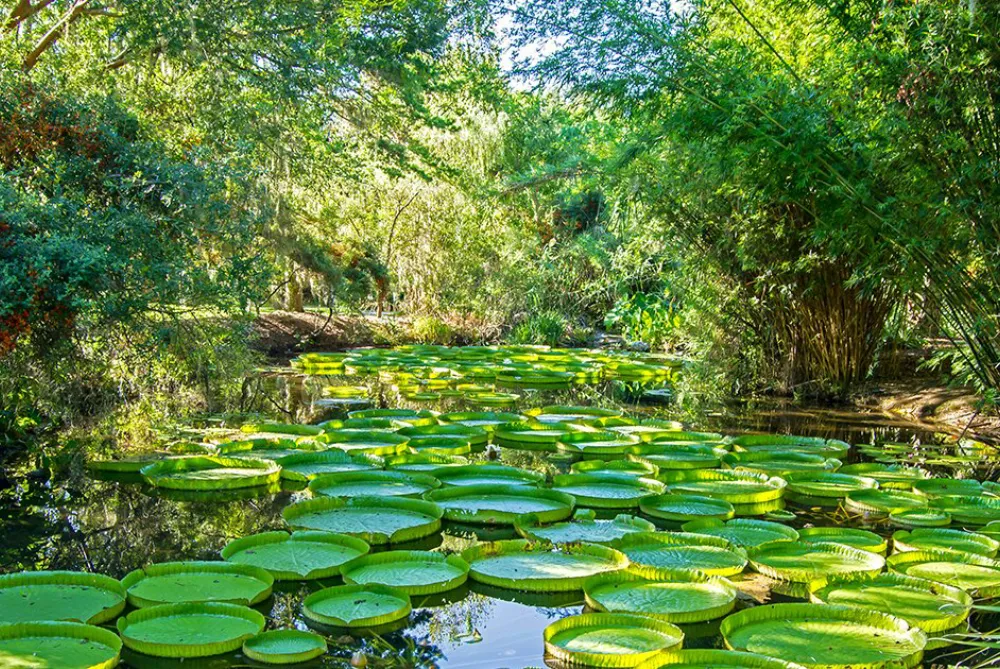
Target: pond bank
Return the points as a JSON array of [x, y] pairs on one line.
[[951, 410]]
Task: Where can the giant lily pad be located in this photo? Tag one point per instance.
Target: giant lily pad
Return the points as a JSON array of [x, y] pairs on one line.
[[284, 647], [376, 520], [936, 539], [476, 436], [711, 658], [298, 556], [177, 582], [569, 414], [530, 436], [595, 444], [307, 466], [823, 636], [883, 502], [674, 596], [487, 475], [744, 532], [60, 595], [848, 536], [683, 551], [496, 504], [211, 473], [58, 644], [969, 510], [735, 487], [369, 605], [978, 575], [824, 488], [602, 491], [487, 420], [803, 562], [540, 566], [682, 508], [609, 639], [373, 484], [583, 527], [413, 572], [368, 442], [189, 630], [633, 466], [933, 607]]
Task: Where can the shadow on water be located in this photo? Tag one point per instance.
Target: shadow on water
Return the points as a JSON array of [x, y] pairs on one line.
[[78, 523]]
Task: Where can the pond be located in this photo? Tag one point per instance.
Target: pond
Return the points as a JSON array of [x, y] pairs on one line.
[[76, 522]]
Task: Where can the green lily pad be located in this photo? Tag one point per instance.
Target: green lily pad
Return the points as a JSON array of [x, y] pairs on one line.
[[920, 518], [373, 484], [307, 466], [632, 466], [531, 436], [60, 595], [683, 551], [488, 420], [933, 607], [189, 630], [211, 473], [824, 489], [804, 562], [711, 658], [487, 475], [883, 502], [284, 647], [942, 539], [195, 582], [978, 575], [368, 442], [735, 487], [602, 491], [357, 605], [500, 505], [744, 532], [299, 556], [609, 639], [413, 572], [376, 520], [58, 644], [848, 536], [681, 508], [969, 510], [825, 636], [540, 566], [676, 597], [583, 527]]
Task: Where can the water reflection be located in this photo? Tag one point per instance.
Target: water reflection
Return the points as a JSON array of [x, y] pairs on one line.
[[110, 526]]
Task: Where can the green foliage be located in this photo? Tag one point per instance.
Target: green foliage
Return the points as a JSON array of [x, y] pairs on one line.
[[431, 330], [647, 317], [547, 327]]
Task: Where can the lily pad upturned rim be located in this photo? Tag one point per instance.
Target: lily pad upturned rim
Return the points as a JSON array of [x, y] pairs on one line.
[[969, 510], [162, 474], [882, 501], [716, 657], [644, 487], [672, 634], [628, 465], [854, 537], [70, 578], [680, 540], [867, 562], [65, 629], [902, 540], [183, 650], [652, 576], [911, 518], [803, 483], [485, 516], [692, 479], [706, 526], [380, 442], [255, 647], [407, 556], [525, 476], [338, 591], [433, 512], [829, 612], [486, 550], [652, 506], [947, 621], [237, 546], [900, 562], [328, 456], [159, 569], [324, 481], [528, 524]]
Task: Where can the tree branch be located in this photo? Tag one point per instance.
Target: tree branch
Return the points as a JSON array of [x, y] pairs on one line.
[[24, 10], [44, 44]]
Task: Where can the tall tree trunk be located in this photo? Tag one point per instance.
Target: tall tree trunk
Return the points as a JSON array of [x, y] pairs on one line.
[[293, 290]]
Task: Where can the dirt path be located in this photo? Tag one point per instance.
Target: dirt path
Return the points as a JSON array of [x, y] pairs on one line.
[[951, 410], [283, 333]]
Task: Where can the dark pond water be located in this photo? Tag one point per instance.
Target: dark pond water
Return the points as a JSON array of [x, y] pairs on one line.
[[74, 522]]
